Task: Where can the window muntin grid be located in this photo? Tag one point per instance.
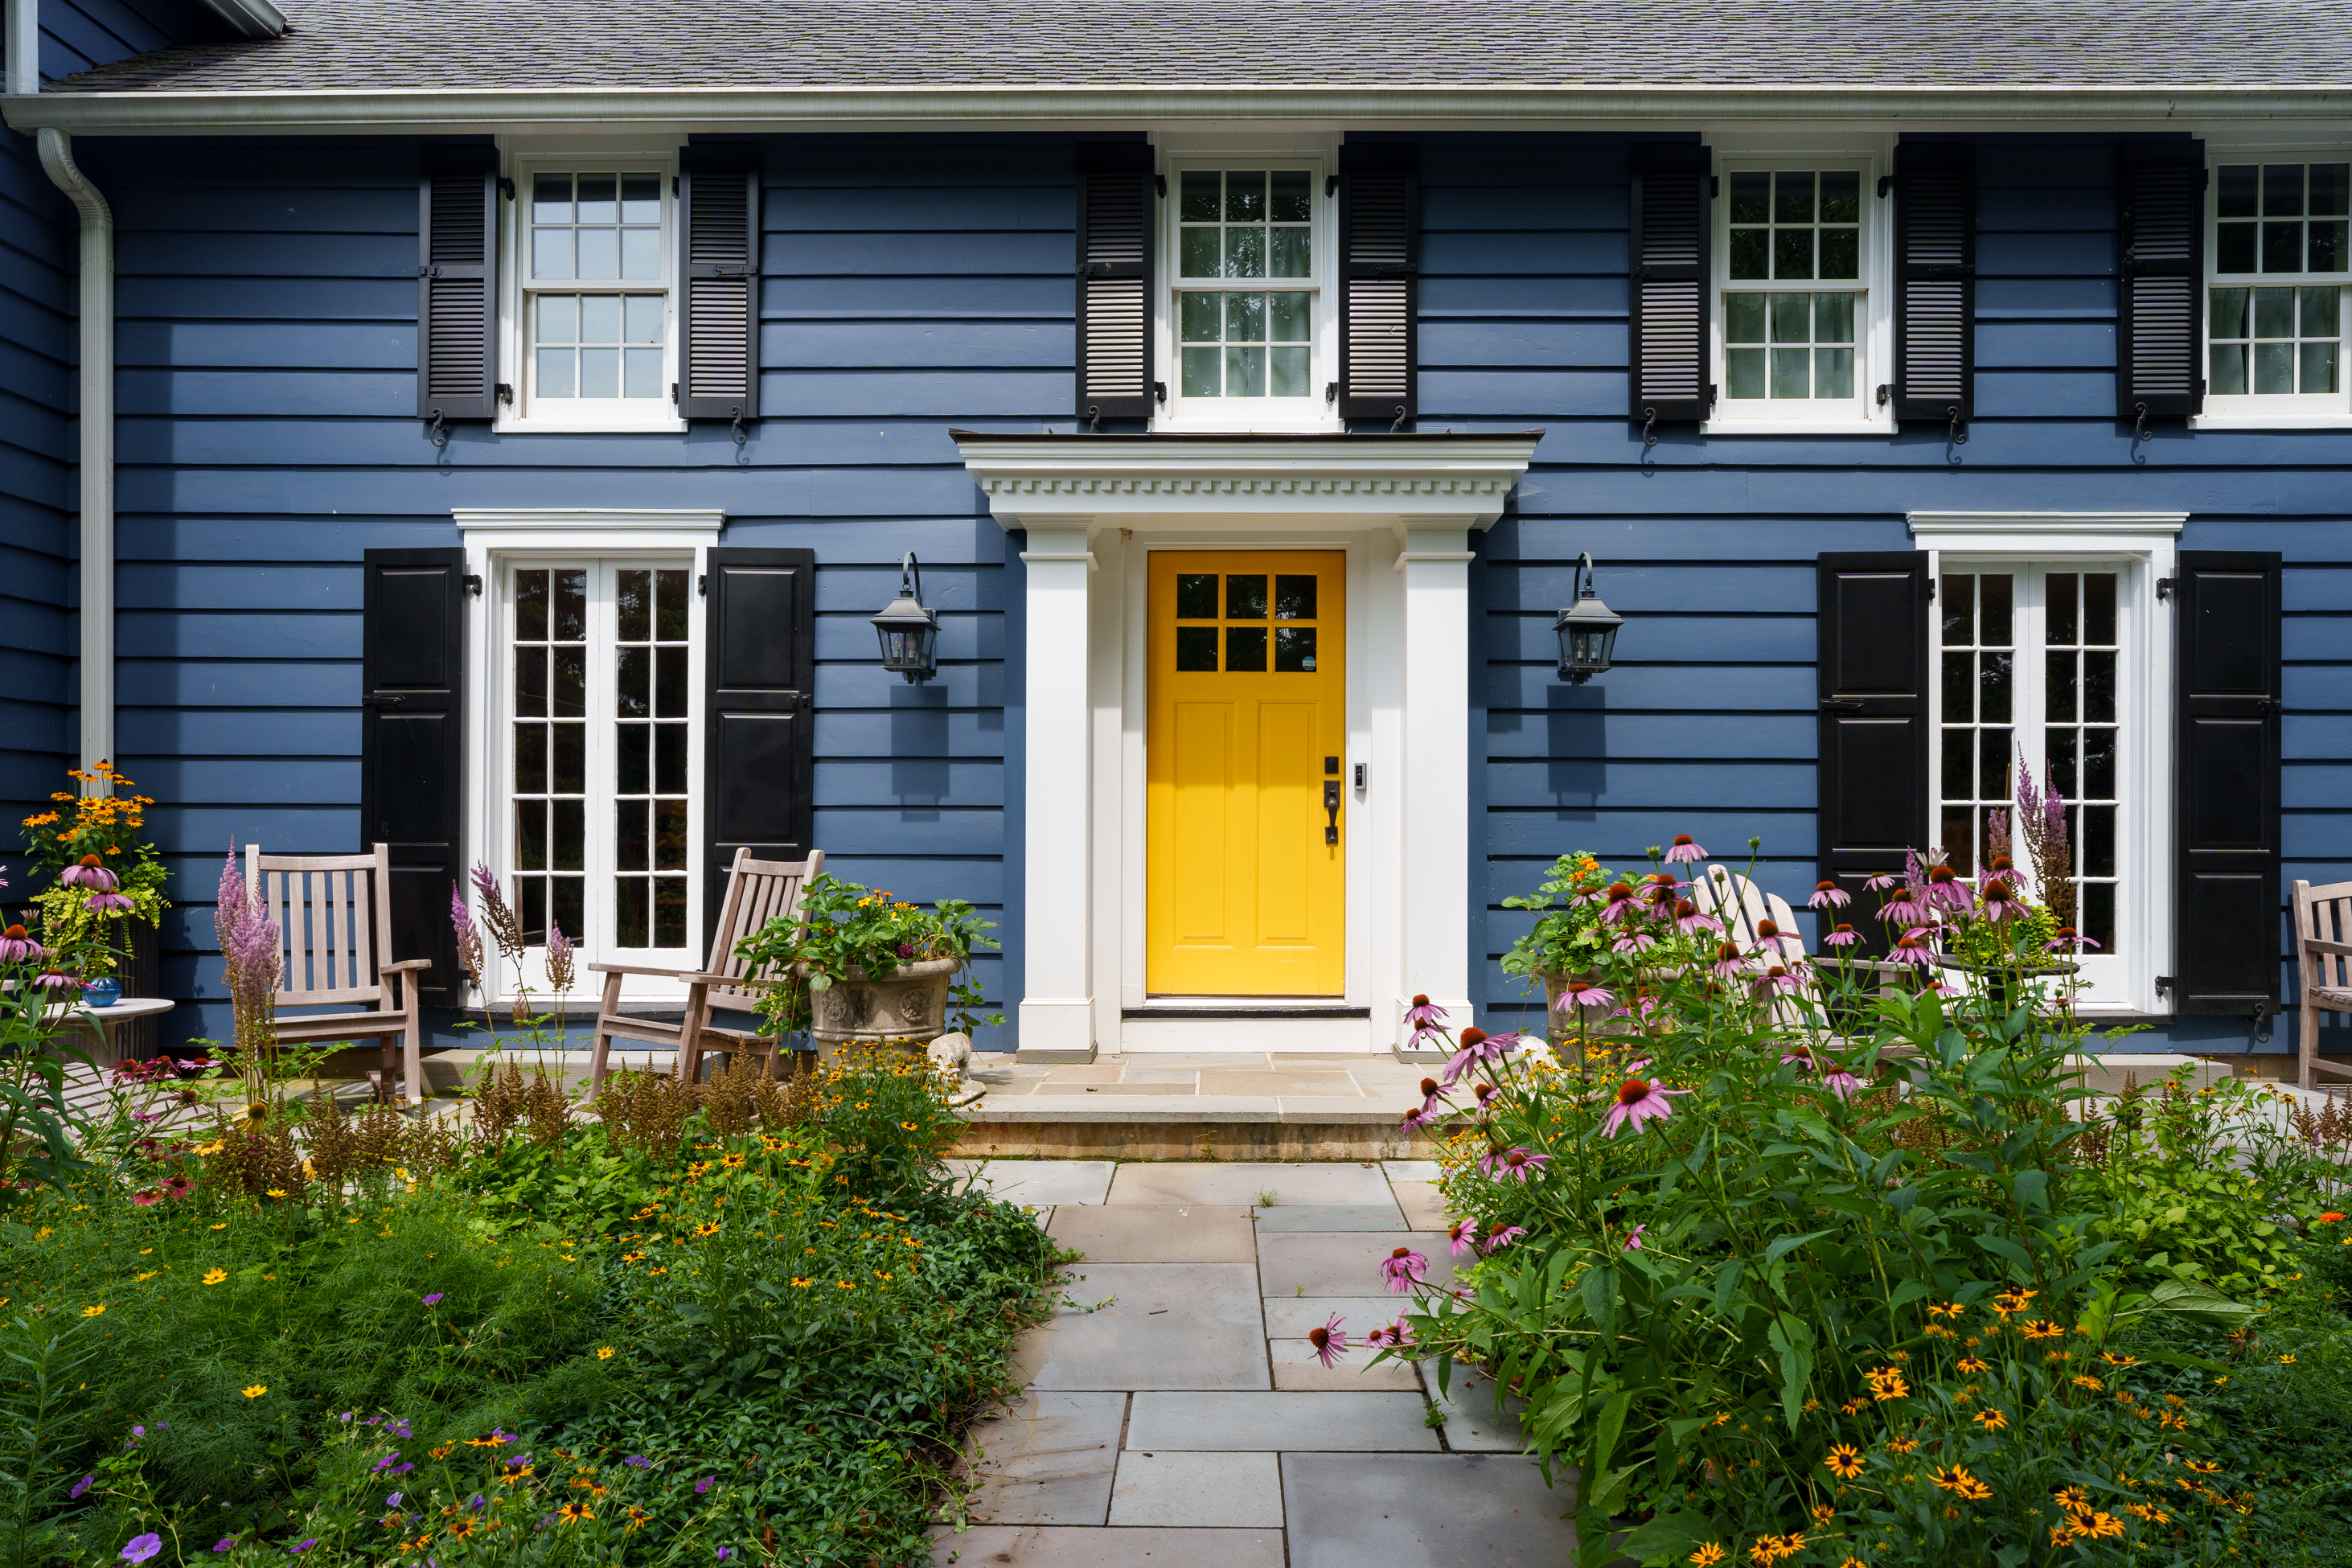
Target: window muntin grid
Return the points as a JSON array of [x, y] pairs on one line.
[[1783, 345], [651, 732], [549, 749], [2282, 256], [606, 343], [2030, 666], [1240, 632], [1238, 230]]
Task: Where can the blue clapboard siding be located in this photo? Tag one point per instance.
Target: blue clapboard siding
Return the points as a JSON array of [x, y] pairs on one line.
[[1706, 726], [268, 438]]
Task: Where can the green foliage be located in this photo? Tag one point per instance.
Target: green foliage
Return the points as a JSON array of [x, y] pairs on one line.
[[1995, 942], [1568, 937], [844, 930]]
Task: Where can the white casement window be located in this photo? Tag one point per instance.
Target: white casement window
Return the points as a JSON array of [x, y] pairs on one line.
[[597, 680], [1250, 340], [1804, 329], [2049, 663], [2278, 270], [589, 312]]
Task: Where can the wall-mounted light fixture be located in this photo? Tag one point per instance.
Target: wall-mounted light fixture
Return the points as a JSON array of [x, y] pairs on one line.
[[910, 634], [1587, 630]]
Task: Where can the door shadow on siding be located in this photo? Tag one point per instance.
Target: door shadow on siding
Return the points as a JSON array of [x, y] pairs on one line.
[[1576, 749], [918, 751]]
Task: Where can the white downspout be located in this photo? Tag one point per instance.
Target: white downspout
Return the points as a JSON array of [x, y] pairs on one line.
[[97, 441]]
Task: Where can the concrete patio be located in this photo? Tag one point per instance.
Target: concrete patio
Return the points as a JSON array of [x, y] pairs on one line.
[[1175, 1411]]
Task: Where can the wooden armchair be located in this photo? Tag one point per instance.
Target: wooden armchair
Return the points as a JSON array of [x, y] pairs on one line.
[[756, 892], [334, 922], [2323, 940]]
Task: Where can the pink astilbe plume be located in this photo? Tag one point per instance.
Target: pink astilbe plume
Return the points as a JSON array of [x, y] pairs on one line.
[[251, 962], [505, 929], [469, 935], [2042, 819], [560, 972]]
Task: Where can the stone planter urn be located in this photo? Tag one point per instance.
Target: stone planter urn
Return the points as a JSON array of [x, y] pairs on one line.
[[909, 1005]]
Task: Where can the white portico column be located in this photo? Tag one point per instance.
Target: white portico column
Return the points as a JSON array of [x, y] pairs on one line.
[[1436, 562], [1057, 1000]]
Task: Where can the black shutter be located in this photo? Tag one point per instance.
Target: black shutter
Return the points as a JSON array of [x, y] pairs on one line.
[[2227, 935], [1117, 223], [1935, 280], [456, 283], [1380, 271], [1672, 219], [412, 748], [759, 706], [719, 283], [2160, 318], [1871, 674]]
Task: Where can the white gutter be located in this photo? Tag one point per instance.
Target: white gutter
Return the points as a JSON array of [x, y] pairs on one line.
[[97, 447], [716, 107]]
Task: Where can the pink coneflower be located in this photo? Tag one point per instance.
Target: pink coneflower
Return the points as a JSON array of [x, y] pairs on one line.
[[1485, 1094], [1388, 1336], [1912, 948], [1845, 936], [1499, 1239], [1579, 994], [1420, 1119], [57, 981], [2068, 940], [1633, 1238], [1827, 896], [1478, 1047], [1905, 911], [16, 947], [1430, 1091], [1999, 900], [1516, 1164], [89, 872], [1688, 919], [1422, 1018], [109, 904], [1634, 942], [1844, 1084], [1729, 960], [1768, 936], [1801, 1054], [1331, 1342], [1946, 890], [1638, 1100], [1781, 978], [1462, 1237], [1685, 850], [177, 1186], [144, 1198], [1880, 883], [1623, 903], [1404, 1270]]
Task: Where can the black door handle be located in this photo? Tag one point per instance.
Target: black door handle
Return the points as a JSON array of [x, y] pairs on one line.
[[1331, 805]]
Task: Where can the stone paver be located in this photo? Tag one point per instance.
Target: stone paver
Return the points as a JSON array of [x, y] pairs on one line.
[[1330, 1216], [1280, 1083], [1411, 1169], [1041, 1182], [1049, 1460], [1156, 1232], [1424, 1511], [1471, 1424], [1254, 1423], [1425, 1209], [1153, 1325], [1296, 1369], [1238, 1182], [1006, 1546], [1344, 1263], [1216, 1490], [1290, 1317]]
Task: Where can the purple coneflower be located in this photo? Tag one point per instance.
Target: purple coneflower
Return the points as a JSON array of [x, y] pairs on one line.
[[1685, 851], [1844, 1084], [1801, 1054], [1912, 948], [1479, 1046], [1404, 1270], [1634, 942], [2068, 940], [1515, 1165], [1769, 935], [57, 981], [16, 947], [1845, 936], [1905, 910], [1999, 900], [145, 1197], [89, 872], [1622, 903], [1946, 890], [1881, 883], [109, 904], [177, 1186], [1689, 919], [1331, 1342], [1462, 1237], [1579, 994], [1638, 1100], [1828, 896], [1499, 1239], [1420, 1119], [1781, 978], [1384, 1337], [1728, 961], [1633, 1238]]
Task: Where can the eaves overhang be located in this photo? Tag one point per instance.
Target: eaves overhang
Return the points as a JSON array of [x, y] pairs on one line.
[[1519, 106]]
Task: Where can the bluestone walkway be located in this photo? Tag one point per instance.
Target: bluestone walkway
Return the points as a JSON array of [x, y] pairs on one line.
[[1176, 1414]]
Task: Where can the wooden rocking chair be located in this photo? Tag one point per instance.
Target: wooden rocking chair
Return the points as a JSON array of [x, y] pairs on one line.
[[756, 892], [2323, 940], [334, 922]]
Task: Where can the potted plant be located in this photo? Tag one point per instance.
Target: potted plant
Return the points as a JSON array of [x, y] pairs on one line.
[[861, 968], [1570, 938], [105, 897]]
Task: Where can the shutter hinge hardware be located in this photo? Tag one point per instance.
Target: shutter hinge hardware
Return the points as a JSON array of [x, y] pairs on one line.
[[1330, 392], [2141, 431], [736, 429], [1160, 183], [1713, 186], [1398, 424], [2269, 705], [1649, 426], [1885, 184], [428, 272], [702, 584], [2164, 586], [438, 431], [1159, 392], [1955, 436], [2165, 982], [1330, 185], [473, 581], [505, 390], [673, 392], [1886, 391], [507, 186], [1094, 418]]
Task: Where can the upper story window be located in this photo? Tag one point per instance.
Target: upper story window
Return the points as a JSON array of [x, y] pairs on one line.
[[591, 319], [2280, 270], [1248, 315], [1803, 333]]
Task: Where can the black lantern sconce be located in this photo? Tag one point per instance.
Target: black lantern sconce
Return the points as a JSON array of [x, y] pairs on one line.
[[910, 634], [1587, 630]]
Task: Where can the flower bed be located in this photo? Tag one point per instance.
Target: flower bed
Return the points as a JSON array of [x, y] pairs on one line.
[[744, 1321]]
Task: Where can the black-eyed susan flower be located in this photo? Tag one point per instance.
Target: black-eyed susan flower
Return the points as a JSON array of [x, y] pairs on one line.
[[1844, 1460]]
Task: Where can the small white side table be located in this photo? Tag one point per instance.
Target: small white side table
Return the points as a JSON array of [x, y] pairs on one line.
[[100, 1021]]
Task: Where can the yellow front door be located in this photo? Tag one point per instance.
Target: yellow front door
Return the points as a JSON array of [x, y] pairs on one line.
[[1245, 880]]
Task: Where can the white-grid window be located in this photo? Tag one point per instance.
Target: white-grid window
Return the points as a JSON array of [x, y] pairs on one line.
[[1251, 344], [2036, 667], [2279, 272], [1800, 333], [599, 676], [592, 320]]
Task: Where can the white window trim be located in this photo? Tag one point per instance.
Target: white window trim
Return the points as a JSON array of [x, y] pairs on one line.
[[1874, 335], [500, 538], [1250, 415], [2257, 411], [581, 415], [2145, 547]]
